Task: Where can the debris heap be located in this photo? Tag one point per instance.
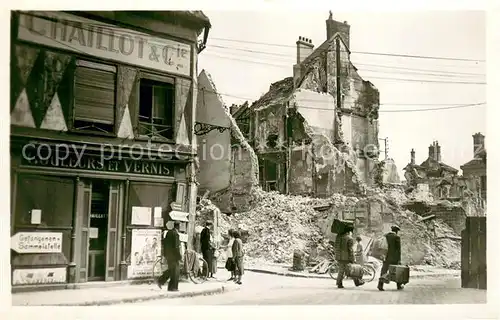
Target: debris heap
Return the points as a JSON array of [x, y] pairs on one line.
[[280, 224]]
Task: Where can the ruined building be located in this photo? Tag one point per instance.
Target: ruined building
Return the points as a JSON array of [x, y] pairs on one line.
[[298, 127]]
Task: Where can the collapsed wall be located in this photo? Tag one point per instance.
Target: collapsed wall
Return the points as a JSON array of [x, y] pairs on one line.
[[245, 174]]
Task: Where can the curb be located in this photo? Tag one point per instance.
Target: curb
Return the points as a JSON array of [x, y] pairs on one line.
[[314, 276], [165, 295]]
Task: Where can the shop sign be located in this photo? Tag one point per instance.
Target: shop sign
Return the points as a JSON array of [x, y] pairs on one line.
[[179, 216], [69, 32], [42, 156], [145, 249], [38, 276], [36, 242]]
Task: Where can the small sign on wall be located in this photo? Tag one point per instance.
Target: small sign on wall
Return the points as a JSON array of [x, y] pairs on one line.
[[141, 216], [36, 216], [158, 222], [93, 233], [38, 276], [183, 237], [36, 242]]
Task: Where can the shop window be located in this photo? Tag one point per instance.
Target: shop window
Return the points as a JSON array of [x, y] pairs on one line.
[[156, 107], [94, 97]]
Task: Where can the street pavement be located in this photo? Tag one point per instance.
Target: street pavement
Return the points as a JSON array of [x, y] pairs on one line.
[[266, 289]]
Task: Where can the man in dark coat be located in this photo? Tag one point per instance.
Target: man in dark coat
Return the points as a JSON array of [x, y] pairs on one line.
[[344, 254], [206, 246], [172, 252], [393, 255]]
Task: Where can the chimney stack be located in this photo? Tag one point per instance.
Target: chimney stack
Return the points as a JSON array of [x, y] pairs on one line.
[[304, 49], [438, 152], [478, 139], [412, 161], [332, 27], [431, 152]]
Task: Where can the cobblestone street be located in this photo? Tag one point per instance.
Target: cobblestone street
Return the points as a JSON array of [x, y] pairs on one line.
[[262, 289]]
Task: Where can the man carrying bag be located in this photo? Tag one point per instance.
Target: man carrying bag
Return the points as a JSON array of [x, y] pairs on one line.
[[393, 256], [344, 254]]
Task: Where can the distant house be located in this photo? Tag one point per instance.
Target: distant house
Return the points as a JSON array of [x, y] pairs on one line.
[[476, 168], [441, 180]]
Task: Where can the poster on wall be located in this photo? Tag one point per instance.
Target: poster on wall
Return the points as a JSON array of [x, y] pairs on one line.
[[141, 216], [145, 248]]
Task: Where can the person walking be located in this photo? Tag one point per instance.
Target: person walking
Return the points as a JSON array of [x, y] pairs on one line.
[[206, 246], [172, 252], [229, 255], [359, 255], [238, 253], [344, 254], [393, 256]]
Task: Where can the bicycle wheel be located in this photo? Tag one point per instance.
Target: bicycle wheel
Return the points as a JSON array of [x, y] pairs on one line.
[[200, 275], [368, 273], [159, 267], [333, 270]]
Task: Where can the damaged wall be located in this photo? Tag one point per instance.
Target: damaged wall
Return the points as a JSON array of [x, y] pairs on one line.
[[214, 148]]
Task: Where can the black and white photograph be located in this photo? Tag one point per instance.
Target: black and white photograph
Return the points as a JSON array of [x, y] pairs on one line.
[[316, 157]]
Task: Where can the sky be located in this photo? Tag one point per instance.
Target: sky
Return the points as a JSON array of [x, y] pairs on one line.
[[247, 51]]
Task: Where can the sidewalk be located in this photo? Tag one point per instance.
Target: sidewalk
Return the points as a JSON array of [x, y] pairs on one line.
[[415, 272], [118, 294]]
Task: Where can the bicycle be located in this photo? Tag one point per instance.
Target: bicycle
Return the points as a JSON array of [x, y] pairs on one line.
[[196, 275], [369, 271]]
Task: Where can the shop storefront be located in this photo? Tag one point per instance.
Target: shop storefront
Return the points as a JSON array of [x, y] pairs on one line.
[[101, 138]]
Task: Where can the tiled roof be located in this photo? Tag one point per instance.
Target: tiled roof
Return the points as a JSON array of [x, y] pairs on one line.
[[429, 163]]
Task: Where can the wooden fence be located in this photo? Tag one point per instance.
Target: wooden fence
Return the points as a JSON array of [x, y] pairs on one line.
[[474, 253]]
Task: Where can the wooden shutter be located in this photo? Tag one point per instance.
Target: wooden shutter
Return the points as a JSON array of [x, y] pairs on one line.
[[94, 92], [113, 215], [84, 201]]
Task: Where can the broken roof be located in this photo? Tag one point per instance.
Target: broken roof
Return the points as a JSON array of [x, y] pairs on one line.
[[279, 92]]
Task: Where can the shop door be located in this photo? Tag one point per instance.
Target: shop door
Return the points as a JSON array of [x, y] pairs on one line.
[[114, 210], [84, 201], [98, 230]]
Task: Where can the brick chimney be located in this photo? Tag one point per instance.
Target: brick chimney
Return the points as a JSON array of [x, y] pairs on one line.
[[304, 48], [478, 142], [438, 152], [435, 151], [412, 159], [332, 27], [431, 151]]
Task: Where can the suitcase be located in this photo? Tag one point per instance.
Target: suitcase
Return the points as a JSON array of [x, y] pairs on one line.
[[399, 274], [354, 271], [338, 226]]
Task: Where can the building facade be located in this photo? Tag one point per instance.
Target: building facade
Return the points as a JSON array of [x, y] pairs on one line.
[[304, 126], [476, 168], [102, 140]]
